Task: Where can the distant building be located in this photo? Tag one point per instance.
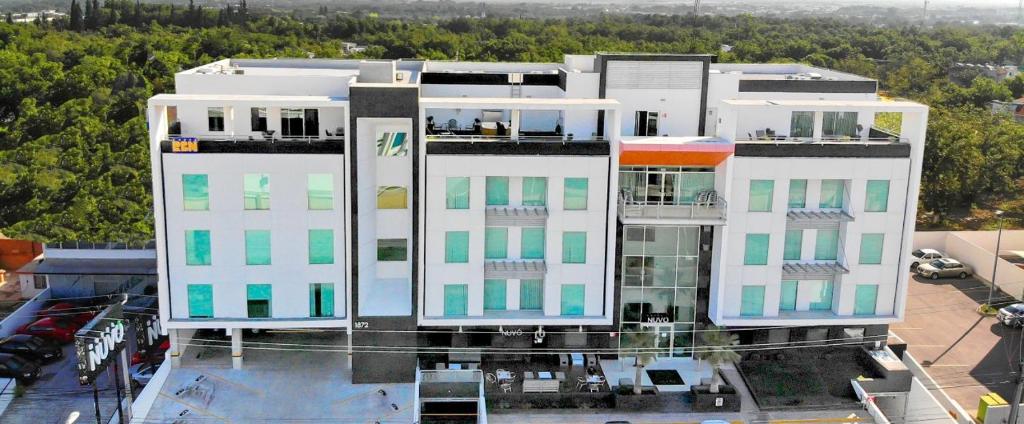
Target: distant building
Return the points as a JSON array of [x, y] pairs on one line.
[[349, 48], [996, 72], [1014, 108], [47, 15], [79, 269]]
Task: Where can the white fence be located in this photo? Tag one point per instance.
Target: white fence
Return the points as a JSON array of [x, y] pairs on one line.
[[977, 250], [953, 409], [25, 314]]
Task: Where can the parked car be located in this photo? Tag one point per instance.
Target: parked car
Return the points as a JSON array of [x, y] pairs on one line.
[[52, 328], [1012, 315], [14, 366], [945, 267], [32, 347], [923, 256], [138, 359], [81, 315], [142, 373]]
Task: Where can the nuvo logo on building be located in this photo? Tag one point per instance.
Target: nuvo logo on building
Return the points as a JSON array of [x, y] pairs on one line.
[[99, 342]]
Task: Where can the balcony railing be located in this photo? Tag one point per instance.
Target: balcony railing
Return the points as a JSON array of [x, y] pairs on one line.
[[707, 206], [259, 138], [484, 138], [864, 140]]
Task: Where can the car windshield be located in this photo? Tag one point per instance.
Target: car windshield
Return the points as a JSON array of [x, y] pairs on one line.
[[16, 362], [1015, 308], [919, 253], [938, 264], [60, 324]]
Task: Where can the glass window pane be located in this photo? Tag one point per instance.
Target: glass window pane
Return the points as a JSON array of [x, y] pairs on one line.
[[200, 301], [535, 191], [633, 244], [321, 246], [797, 194], [496, 243], [877, 196], [257, 191], [456, 247], [685, 305], [821, 299], [802, 124], [393, 144], [456, 299], [321, 300], [257, 247], [691, 183], [661, 241], [865, 299], [532, 243], [574, 247], [497, 191], [661, 272], [215, 118], [839, 124], [320, 191], [787, 299], [392, 197], [531, 294], [258, 299], [871, 249], [794, 241], [756, 250], [659, 301], [573, 296], [689, 241], [752, 301], [831, 194], [575, 194], [258, 119], [632, 304], [457, 193], [494, 295], [761, 195], [826, 247], [686, 272], [196, 192], [392, 250], [197, 247]]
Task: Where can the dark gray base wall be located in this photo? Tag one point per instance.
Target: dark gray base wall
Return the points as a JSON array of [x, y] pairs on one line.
[[488, 340], [818, 336], [379, 367]]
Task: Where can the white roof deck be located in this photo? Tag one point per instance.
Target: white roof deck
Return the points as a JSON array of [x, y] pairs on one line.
[[882, 105], [268, 100], [519, 103]]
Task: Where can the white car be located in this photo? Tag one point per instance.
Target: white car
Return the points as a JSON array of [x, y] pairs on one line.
[[923, 256]]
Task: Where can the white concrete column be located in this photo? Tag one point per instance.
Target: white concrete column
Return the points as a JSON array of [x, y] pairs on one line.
[[236, 349], [819, 122], [229, 120], [514, 130], [176, 348]]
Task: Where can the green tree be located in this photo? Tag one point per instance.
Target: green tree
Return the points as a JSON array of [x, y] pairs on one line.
[[642, 347], [717, 349]]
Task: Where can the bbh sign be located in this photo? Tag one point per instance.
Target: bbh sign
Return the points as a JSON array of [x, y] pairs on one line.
[[99, 342]]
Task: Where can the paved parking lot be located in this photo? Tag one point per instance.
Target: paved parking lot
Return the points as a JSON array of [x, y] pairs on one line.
[[967, 354]]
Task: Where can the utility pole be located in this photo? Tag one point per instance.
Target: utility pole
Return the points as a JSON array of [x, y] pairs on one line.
[[1020, 8], [924, 14], [995, 262], [1015, 403]]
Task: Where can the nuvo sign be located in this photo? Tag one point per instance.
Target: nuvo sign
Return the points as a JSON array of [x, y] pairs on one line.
[[99, 343]]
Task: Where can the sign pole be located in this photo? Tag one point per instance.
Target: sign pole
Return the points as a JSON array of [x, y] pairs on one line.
[[117, 389], [96, 402]]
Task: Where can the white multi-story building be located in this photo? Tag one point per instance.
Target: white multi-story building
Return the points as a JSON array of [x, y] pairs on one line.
[[573, 201]]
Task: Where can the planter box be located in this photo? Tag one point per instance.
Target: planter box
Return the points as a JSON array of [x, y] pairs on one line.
[[726, 400], [649, 399]]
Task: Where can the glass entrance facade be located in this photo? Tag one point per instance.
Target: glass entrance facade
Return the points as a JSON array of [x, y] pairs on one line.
[[661, 185], [659, 285]]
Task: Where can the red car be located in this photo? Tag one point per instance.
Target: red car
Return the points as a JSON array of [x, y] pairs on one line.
[[68, 311], [138, 359], [51, 328]]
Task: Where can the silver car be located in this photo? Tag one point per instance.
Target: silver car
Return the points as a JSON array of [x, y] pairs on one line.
[[142, 373], [1011, 315], [942, 268]]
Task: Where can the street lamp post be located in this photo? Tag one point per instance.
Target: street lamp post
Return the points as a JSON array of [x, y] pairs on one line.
[[995, 262]]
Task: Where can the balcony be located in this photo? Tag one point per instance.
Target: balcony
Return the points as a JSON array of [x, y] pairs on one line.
[[455, 143], [708, 206], [253, 144], [813, 270], [515, 269], [516, 216], [816, 219]]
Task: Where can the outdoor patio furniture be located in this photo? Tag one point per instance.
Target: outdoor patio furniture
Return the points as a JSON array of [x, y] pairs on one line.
[[455, 366], [581, 382], [544, 375], [560, 376], [453, 124], [540, 386], [439, 366], [528, 375], [577, 359], [506, 387], [473, 366], [504, 375], [491, 378]]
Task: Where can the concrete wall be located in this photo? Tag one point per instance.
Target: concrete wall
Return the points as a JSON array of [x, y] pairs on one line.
[[953, 409], [975, 249], [24, 315]]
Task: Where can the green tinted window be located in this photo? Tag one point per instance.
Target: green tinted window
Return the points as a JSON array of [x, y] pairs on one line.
[[821, 300], [794, 241], [797, 194], [535, 191], [826, 247], [497, 191], [752, 301], [574, 247], [456, 299], [532, 243], [801, 124], [761, 195], [575, 194], [321, 246], [871, 248], [496, 243], [196, 191], [456, 247], [787, 297], [832, 194], [756, 252], [257, 247], [573, 297], [321, 300], [531, 294], [320, 191], [865, 299], [494, 295], [256, 191], [197, 247], [200, 301], [877, 196], [457, 193], [692, 183], [258, 300]]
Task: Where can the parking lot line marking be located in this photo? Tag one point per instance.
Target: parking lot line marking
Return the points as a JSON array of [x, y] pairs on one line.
[[233, 384], [353, 397], [906, 328], [194, 408], [946, 365]]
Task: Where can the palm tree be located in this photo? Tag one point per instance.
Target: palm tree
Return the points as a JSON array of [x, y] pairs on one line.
[[642, 343], [716, 349]]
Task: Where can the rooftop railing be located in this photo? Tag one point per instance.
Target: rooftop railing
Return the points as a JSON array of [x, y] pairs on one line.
[[865, 140], [483, 138], [86, 245], [708, 205], [260, 138]]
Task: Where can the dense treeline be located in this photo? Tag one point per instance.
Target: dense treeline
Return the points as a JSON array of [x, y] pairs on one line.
[[73, 139]]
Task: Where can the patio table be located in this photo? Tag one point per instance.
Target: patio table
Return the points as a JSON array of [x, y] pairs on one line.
[[577, 358], [544, 375], [503, 375]]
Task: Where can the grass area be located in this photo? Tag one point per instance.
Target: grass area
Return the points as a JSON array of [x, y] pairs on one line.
[[812, 378]]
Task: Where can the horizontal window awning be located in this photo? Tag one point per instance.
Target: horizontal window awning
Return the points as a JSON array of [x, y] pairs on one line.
[[515, 269], [106, 266], [816, 219], [674, 151], [812, 270], [516, 216]]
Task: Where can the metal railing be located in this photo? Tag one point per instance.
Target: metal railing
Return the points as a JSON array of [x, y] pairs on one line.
[[822, 140], [86, 245], [483, 138], [713, 209], [250, 138]]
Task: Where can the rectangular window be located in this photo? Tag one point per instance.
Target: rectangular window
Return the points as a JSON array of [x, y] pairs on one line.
[[573, 297], [532, 243], [200, 301], [871, 249], [457, 193], [196, 192], [787, 297], [494, 295], [821, 299], [531, 295], [321, 300], [575, 198], [802, 124], [256, 189], [794, 243], [832, 194], [197, 247], [392, 197], [752, 301], [839, 124], [296, 123], [497, 191], [393, 144], [320, 192], [258, 119], [39, 282], [574, 247], [645, 123], [761, 195], [535, 191], [826, 246], [258, 300], [797, 194], [877, 199], [496, 243], [215, 118], [257, 247], [756, 252], [456, 300], [321, 247], [392, 250], [173, 124], [456, 247], [865, 299]]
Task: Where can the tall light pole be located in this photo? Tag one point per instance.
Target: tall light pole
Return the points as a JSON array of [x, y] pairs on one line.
[[995, 262]]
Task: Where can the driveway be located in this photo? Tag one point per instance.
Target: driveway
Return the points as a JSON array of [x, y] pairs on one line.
[[967, 354]]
